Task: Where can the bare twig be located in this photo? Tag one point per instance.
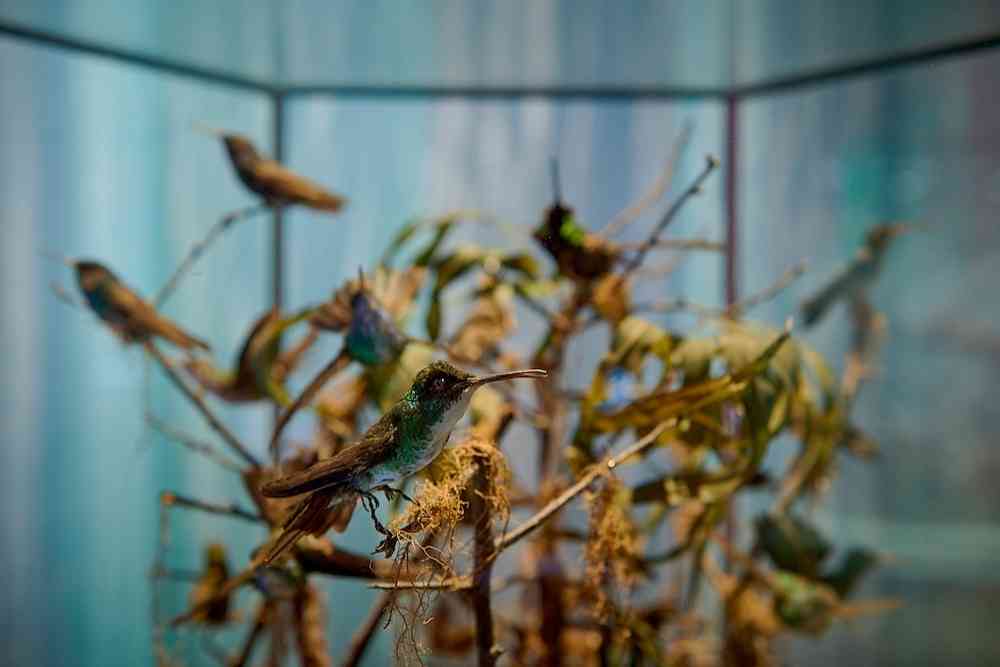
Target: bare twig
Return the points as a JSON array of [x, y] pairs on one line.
[[483, 556], [264, 611], [170, 498], [679, 244], [198, 249], [710, 164], [200, 405], [195, 445], [633, 212], [363, 635], [768, 293], [337, 364], [530, 525]]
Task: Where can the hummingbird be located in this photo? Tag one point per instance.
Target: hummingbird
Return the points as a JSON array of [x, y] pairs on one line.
[[579, 254], [402, 442], [275, 184], [857, 276], [127, 314], [211, 581], [792, 544], [260, 368]]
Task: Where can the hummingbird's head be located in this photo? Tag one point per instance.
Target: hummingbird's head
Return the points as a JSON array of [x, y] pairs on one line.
[[90, 274], [441, 380], [241, 151], [550, 232]]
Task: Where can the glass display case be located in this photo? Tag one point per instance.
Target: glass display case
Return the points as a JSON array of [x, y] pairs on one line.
[[828, 118]]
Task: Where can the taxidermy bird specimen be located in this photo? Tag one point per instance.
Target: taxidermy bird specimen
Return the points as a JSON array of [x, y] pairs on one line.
[[371, 335], [854, 279], [402, 442], [260, 367], [277, 187], [585, 257], [130, 317]]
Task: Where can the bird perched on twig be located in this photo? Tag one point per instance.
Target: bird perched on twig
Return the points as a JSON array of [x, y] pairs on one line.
[[276, 184], [130, 317], [402, 442]]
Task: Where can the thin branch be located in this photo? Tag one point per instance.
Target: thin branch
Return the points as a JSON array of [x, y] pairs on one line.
[[200, 405], [462, 583], [678, 244], [337, 364], [710, 164], [530, 525], [197, 446], [261, 618], [768, 293], [483, 555], [198, 249], [633, 212], [170, 498], [363, 635]]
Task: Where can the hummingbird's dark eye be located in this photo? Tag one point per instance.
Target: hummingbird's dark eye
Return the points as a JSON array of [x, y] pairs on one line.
[[438, 383]]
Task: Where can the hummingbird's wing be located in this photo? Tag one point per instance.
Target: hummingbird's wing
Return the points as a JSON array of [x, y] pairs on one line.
[[143, 318], [286, 184], [342, 467]]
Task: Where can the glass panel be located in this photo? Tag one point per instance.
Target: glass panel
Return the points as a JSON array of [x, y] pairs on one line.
[[777, 38], [820, 169], [555, 42], [101, 161], [401, 159]]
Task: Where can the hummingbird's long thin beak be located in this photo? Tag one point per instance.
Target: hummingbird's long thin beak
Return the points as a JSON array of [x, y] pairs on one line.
[[534, 373], [202, 128]]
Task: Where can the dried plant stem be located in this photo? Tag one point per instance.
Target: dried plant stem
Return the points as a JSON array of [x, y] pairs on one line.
[[710, 164], [483, 557], [363, 635], [195, 445], [530, 525], [337, 364], [200, 405], [633, 212], [787, 278], [264, 611], [198, 249], [169, 498], [679, 244]]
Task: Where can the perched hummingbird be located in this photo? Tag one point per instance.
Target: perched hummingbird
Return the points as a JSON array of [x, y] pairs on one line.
[[403, 441], [128, 315], [275, 184], [857, 276], [211, 581], [260, 368]]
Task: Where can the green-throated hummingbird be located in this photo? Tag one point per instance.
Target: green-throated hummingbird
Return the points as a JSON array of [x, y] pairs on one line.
[[402, 442]]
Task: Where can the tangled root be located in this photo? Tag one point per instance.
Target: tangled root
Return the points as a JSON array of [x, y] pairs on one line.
[[613, 547]]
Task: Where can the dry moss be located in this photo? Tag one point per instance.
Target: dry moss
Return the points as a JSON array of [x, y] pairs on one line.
[[612, 548]]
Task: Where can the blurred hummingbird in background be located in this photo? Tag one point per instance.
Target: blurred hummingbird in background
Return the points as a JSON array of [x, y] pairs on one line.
[[275, 184], [260, 368], [402, 442], [208, 586], [857, 276], [127, 314]]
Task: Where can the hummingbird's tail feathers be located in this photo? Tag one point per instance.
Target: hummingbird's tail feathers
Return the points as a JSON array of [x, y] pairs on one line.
[[325, 201], [181, 338], [340, 515]]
